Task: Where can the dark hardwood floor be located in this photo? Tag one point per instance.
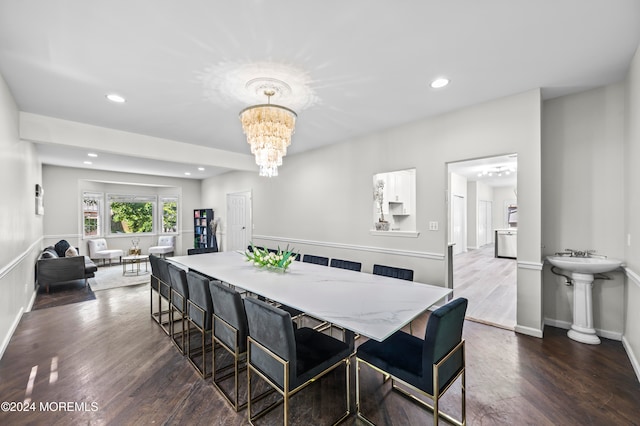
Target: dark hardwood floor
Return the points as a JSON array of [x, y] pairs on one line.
[[115, 366]]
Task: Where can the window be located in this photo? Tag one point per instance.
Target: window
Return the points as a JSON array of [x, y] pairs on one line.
[[169, 214], [131, 214], [122, 214], [92, 214]]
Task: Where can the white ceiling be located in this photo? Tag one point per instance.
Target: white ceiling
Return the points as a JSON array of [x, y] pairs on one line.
[[493, 170], [366, 64]]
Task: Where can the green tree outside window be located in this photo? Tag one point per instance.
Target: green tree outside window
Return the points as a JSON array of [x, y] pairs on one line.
[[131, 217]]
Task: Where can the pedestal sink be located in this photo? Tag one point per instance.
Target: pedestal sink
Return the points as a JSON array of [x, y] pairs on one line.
[[582, 270]]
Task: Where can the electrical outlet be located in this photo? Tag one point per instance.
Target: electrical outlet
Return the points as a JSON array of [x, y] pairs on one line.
[[433, 226]]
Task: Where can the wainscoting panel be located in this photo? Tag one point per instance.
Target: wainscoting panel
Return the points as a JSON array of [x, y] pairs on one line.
[[633, 287], [18, 291]]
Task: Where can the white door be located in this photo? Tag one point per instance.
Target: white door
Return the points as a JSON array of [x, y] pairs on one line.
[[459, 224], [484, 223], [239, 220]]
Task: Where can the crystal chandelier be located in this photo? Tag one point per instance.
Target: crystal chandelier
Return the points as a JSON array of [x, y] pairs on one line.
[[268, 128]]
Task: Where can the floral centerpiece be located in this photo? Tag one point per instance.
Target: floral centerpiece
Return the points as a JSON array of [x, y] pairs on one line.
[[263, 258]]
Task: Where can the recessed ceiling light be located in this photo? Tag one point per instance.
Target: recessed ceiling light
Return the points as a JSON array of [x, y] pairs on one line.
[[201, 169], [88, 162], [92, 154], [187, 173], [439, 82], [113, 97]]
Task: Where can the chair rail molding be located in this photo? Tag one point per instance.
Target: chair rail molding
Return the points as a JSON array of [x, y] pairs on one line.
[[15, 262], [536, 266], [409, 253], [633, 277]]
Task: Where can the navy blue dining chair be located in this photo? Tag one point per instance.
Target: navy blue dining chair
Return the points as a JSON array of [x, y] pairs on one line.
[[318, 260], [178, 305], [230, 332], [393, 272], [427, 367], [199, 316], [289, 359], [346, 264], [161, 285]]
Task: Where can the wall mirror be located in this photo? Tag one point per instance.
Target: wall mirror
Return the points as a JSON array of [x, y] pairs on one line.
[[394, 201]]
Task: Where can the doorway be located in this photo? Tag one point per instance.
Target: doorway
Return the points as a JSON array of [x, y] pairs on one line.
[[239, 220], [487, 280]]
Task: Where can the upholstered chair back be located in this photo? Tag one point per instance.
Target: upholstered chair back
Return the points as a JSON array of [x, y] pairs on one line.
[[200, 295], [96, 245], [393, 272], [228, 305], [444, 332], [179, 284], [272, 328], [167, 240], [346, 264], [163, 275]]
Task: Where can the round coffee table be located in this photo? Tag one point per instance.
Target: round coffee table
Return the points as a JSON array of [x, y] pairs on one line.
[[134, 261]]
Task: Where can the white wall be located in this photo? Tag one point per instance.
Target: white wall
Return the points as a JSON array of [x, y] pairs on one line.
[[502, 197], [20, 227], [583, 197], [63, 189], [321, 202], [631, 338]]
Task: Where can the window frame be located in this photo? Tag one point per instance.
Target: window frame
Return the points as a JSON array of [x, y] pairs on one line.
[[130, 198], [99, 198], [161, 202]]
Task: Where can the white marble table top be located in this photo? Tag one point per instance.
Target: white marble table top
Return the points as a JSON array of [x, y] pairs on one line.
[[371, 305]]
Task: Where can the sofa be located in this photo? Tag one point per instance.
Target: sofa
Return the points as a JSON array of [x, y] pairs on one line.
[[57, 265]]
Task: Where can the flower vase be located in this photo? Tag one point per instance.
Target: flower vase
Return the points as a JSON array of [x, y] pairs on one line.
[[278, 269], [382, 226]]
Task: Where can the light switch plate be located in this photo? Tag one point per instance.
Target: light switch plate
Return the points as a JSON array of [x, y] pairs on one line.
[[433, 226]]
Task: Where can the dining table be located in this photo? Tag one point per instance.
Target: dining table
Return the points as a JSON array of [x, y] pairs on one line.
[[374, 306]]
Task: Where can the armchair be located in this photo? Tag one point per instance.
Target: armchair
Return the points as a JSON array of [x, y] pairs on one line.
[[98, 250], [165, 247]]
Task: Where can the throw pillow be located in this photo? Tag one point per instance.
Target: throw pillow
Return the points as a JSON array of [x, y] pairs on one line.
[[61, 247], [71, 252], [49, 253]]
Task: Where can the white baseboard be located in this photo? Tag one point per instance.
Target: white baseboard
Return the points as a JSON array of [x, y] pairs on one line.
[[12, 329], [607, 334], [632, 356], [33, 299], [528, 331]]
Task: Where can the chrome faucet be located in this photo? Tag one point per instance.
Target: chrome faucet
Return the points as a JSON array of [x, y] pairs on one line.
[[577, 253]]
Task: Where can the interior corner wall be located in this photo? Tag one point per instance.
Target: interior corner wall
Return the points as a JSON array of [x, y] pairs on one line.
[[63, 188], [20, 227], [583, 197], [322, 199], [631, 237]]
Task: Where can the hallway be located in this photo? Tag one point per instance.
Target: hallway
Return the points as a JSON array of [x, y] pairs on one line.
[[489, 283]]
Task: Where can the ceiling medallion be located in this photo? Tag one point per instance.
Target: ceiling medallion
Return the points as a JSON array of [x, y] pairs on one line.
[[229, 84]]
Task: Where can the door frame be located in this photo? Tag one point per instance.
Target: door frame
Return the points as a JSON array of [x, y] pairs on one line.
[[248, 195]]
